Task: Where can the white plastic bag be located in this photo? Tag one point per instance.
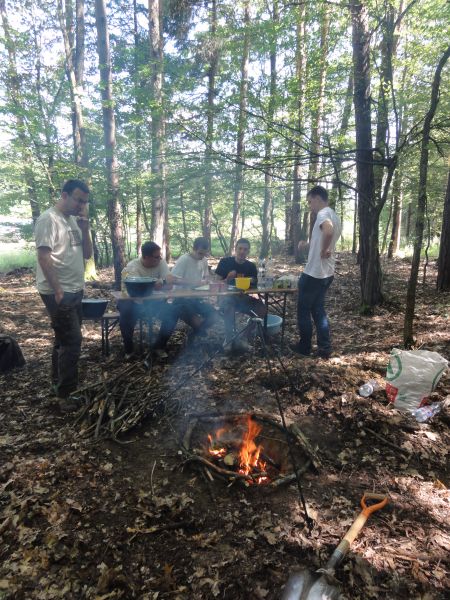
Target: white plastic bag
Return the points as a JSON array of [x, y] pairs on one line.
[[411, 377]]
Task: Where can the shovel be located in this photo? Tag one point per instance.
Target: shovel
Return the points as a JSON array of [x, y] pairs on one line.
[[322, 585]]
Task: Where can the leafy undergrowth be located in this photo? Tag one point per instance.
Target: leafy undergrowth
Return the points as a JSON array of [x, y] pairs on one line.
[[97, 519]]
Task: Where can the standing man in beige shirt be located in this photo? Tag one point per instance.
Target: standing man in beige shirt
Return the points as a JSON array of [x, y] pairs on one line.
[[63, 242]]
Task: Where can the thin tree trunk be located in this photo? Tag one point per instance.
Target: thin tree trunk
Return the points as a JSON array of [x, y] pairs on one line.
[[408, 336], [15, 97], [336, 190], [443, 278], [317, 114], [184, 244], [137, 131], [355, 227], [242, 123], [212, 72], [157, 112], [300, 63], [109, 137], [394, 242], [267, 205]]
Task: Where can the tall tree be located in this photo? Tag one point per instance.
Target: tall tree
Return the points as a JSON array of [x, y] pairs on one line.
[[408, 336], [300, 63], [109, 139], [18, 109], [443, 278], [159, 209], [369, 258], [242, 122], [266, 217], [212, 72]]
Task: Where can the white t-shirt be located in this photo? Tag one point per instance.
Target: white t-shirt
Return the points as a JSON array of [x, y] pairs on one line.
[[191, 269], [316, 266], [135, 268], [63, 236]]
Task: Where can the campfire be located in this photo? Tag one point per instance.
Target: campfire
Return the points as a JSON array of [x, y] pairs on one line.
[[249, 448], [245, 456]]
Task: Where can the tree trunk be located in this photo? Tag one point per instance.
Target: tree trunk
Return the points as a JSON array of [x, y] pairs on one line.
[[212, 72], [267, 204], [408, 336], [336, 190], [369, 258], [137, 82], [15, 97], [394, 242], [300, 63], [443, 278], [242, 123], [157, 112], [109, 137]]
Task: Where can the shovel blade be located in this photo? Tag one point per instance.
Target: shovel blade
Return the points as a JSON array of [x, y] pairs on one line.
[[305, 585]]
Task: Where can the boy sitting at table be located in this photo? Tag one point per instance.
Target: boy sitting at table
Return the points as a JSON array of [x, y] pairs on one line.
[[229, 268], [149, 264], [191, 270]]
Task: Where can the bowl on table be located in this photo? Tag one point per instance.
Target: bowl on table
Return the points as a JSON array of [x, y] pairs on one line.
[[243, 283], [138, 287], [93, 308]]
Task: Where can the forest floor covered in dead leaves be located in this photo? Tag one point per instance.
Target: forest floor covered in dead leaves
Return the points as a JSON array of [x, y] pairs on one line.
[[97, 519]]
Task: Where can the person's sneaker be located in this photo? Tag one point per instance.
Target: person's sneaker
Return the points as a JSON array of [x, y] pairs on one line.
[[322, 354], [299, 350], [69, 405], [160, 353]]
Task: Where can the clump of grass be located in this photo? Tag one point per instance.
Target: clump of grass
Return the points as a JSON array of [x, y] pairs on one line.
[[16, 258]]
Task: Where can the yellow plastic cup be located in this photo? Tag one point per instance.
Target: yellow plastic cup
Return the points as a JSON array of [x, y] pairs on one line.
[[243, 283]]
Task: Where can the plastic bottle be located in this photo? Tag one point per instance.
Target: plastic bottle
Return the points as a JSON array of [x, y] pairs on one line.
[[368, 388], [261, 273], [426, 412]]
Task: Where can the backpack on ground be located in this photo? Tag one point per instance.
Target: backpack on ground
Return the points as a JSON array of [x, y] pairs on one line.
[[10, 354]]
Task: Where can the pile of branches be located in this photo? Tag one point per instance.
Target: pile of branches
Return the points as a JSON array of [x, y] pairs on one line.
[[120, 401]]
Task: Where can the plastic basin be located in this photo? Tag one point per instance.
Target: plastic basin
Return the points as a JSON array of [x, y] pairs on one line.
[[138, 287], [93, 308], [274, 323]]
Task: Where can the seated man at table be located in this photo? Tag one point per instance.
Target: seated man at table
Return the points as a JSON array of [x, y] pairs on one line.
[[229, 268], [191, 270], [149, 264]]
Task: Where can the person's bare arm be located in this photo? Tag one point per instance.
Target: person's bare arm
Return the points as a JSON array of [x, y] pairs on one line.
[[327, 237], [45, 262]]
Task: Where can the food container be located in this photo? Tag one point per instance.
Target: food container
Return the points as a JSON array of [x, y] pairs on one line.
[[93, 308], [243, 283], [138, 287]]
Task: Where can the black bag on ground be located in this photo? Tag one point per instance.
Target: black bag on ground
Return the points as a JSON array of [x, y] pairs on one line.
[[10, 354]]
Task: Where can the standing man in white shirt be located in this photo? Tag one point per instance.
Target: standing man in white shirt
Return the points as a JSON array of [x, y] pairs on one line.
[[63, 242], [317, 275]]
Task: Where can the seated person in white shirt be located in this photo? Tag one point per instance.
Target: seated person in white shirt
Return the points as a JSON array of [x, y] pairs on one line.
[[149, 264], [192, 270]]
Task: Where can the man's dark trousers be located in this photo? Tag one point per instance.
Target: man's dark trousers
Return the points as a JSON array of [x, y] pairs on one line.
[[65, 319], [311, 304]]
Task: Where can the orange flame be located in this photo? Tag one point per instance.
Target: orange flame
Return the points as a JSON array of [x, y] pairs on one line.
[[249, 452]]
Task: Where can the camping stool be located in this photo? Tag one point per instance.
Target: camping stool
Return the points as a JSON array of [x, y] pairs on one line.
[[109, 321]]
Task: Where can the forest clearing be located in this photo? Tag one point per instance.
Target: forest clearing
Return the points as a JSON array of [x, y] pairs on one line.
[[97, 519]]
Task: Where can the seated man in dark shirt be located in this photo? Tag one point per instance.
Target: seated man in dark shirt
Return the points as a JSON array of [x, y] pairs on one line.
[[229, 268]]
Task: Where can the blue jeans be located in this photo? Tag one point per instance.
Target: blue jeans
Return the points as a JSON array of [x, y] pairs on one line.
[[311, 303]]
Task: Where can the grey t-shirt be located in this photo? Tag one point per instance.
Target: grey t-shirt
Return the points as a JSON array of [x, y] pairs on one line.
[[191, 269], [63, 236], [319, 267]]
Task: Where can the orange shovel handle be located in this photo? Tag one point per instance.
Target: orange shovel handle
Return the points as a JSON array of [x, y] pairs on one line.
[[368, 510]]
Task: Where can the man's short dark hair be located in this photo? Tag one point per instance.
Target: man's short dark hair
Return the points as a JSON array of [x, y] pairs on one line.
[[149, 248], [200, 243], [318, 190], [243, 241], [72, 184]]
